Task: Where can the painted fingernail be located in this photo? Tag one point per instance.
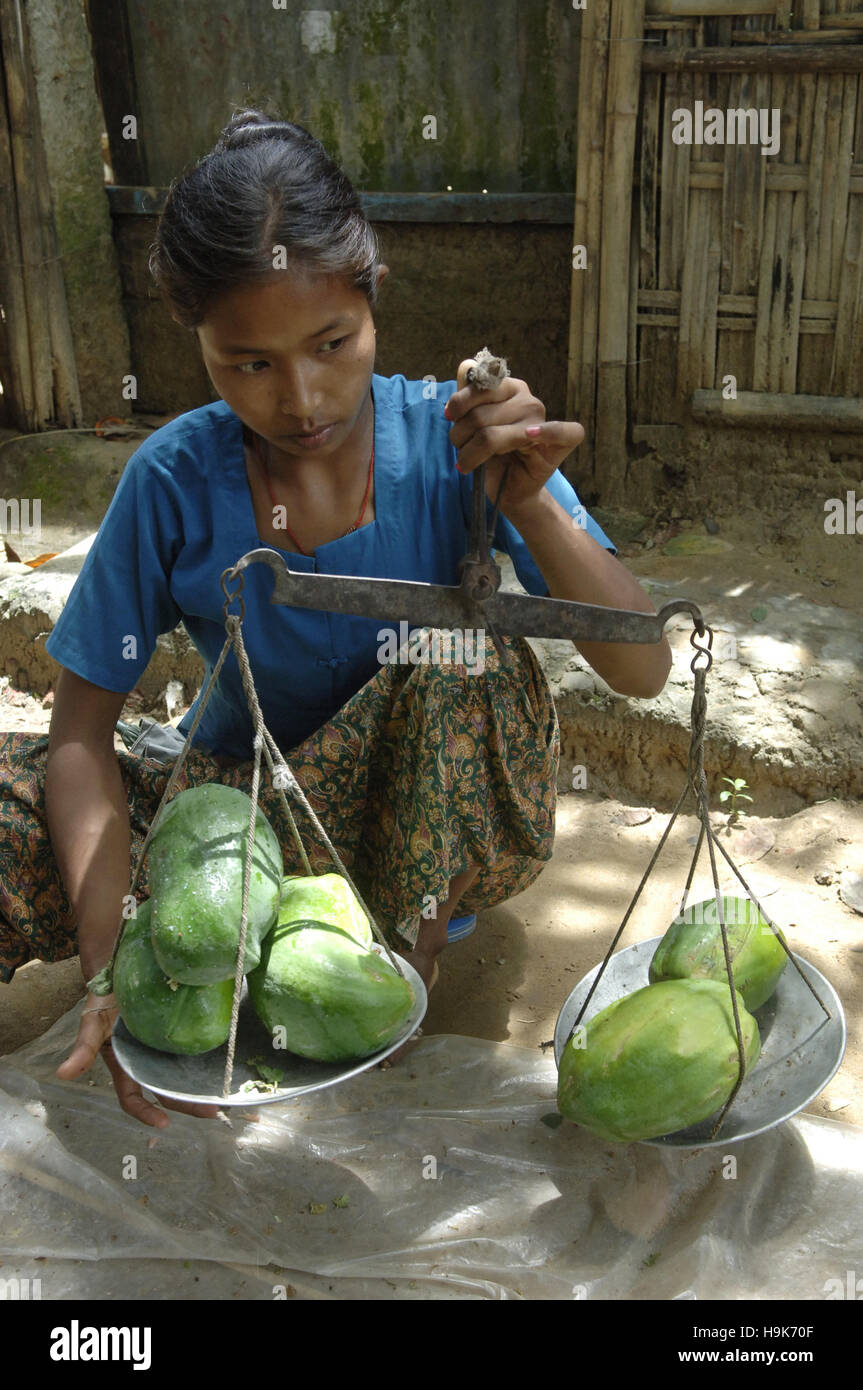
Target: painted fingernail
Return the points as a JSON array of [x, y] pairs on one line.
[[533, 430], [446, 410]]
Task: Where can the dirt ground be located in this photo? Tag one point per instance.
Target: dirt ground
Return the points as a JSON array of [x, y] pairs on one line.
[[508, 981]]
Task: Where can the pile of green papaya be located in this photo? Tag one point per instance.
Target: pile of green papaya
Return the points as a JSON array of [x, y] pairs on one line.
[[311, 972], [665, 1057]]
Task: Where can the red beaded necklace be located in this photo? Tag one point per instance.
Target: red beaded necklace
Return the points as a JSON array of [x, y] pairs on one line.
[[266, 473]]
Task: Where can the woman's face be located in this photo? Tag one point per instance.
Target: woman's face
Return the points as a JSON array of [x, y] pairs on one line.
[[291, 356]]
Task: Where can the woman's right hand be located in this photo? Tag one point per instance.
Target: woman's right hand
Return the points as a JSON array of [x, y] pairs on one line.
[[94, 1037]]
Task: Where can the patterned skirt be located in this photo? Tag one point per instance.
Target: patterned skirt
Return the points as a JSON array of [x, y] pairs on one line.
[[425, 771]]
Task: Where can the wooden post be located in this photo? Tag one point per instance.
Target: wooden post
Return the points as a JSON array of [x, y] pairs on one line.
[[118, 92], [846, 372], [711, 9], [41, 334], [812, 14], [776, 410], [67, 394], [17, 375], [624, 78], [32, 248], [587, 222], [788, 57]]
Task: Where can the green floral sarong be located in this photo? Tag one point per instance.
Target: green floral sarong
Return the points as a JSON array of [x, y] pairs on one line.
[[427, 769]]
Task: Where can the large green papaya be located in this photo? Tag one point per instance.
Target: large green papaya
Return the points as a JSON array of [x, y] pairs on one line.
[[324, 898], [186, 1019], [334, 999], [196, 861], [692, 948], [655, 1061]]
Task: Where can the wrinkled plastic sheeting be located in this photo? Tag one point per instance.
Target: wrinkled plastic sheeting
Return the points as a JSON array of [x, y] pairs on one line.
[[436, 1179]]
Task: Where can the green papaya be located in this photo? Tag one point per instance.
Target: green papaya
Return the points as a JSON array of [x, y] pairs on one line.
[[692, 948], [334, 999], [196, 862], [324, 898], [655, 1061], [185, 1019]]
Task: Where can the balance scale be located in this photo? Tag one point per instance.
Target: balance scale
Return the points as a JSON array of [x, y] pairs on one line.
[[804, 1038]]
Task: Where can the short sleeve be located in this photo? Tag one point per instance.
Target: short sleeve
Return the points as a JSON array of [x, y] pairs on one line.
[[507, 538], [122, 600]]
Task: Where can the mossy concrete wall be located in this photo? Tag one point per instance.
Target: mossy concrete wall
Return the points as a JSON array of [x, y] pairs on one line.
[[404, 94], [71, 130], [408, 97]]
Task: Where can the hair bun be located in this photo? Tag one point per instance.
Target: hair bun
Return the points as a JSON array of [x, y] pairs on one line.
[[251, 126]]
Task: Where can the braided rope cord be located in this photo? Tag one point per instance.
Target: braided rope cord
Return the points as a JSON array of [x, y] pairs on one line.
[[281, 773]]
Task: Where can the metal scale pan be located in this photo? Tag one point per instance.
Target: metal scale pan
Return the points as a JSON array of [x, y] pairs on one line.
[[199, 1079], [801, 1049]]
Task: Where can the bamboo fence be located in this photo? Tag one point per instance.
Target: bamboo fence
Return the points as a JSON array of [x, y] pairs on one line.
[[716, 270]]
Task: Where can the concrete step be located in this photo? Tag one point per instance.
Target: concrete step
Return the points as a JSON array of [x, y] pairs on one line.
[[784, 704], [784, 692], [30, 604]]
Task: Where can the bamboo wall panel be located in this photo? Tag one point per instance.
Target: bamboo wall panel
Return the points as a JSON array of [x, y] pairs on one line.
[[749, 264]]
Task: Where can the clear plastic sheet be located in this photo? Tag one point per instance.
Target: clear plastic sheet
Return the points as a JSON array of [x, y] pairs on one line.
[[436, 1179]]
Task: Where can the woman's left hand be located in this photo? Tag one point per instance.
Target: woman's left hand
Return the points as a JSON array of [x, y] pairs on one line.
[[493, 427]]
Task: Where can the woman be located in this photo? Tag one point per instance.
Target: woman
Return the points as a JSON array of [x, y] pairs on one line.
[[435, 783]]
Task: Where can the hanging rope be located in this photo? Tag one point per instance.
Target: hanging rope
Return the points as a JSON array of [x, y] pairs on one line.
[[281, 773], [244, 918]]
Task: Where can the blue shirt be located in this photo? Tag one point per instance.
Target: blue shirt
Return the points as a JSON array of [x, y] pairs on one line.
[[182, 514]]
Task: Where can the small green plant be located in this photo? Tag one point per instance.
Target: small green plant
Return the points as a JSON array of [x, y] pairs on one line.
[[736, 794]]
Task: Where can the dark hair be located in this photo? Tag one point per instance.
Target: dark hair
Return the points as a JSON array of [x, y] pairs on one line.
[[265, 183]]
